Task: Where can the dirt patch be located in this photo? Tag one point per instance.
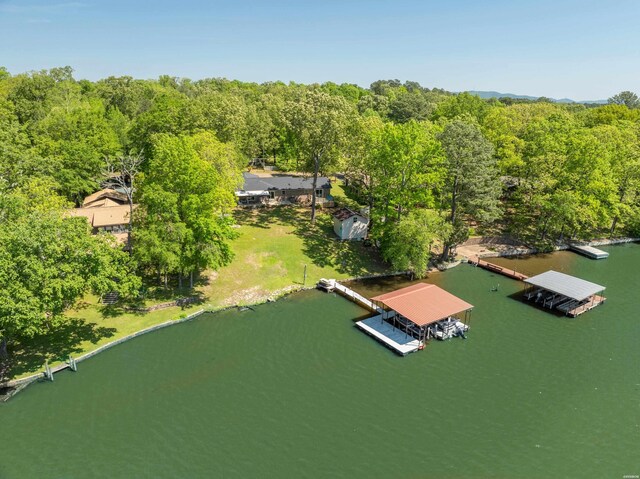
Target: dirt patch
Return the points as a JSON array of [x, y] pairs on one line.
[[247, 296], [492, 247]]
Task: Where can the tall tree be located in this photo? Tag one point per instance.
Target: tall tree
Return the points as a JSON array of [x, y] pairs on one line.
[[122, 173], [627, 98], [194, 179], [472, 187], [319, 122]]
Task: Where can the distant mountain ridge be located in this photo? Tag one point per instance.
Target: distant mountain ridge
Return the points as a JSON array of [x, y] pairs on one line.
[[496, 94]]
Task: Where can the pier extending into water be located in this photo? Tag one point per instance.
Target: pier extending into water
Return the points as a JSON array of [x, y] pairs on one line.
[[376, 326], [510, 273], [417, 313]]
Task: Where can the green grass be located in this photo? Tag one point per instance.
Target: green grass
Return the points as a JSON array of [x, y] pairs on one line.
[[271, 250]]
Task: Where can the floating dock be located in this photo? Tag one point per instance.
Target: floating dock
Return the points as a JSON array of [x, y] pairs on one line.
[[509, 273], [567, 294], [393, 338], [589, 251], [418, 313]]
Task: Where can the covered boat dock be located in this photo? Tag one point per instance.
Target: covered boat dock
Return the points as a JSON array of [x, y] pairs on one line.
[[412, 315], [568, 294]]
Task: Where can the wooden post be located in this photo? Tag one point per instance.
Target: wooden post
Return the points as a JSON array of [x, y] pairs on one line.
[[304, 280]]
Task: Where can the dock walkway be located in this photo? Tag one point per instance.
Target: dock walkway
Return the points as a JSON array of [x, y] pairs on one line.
[[357, 298], [392, 337], [510, 273], [589, 251], [395, 339]]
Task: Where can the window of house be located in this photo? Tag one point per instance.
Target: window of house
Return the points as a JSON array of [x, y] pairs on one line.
[[318, 192], [272, 194], [283, 192]]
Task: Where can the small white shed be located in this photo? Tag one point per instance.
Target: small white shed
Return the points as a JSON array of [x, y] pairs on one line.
[[350, 225]]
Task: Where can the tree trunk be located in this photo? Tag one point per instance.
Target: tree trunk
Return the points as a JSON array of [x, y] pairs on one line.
[[613, 226], [454, 208], [3, 348], [166, 279], [191, 279], [180, 280], [159, 275], [129, 242], [454, 200], [316, 167]]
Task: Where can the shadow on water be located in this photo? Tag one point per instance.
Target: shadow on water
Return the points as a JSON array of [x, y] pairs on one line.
[[519, 297]]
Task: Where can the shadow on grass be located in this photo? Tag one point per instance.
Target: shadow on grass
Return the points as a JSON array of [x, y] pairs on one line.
[[29, 354], [320, 243]]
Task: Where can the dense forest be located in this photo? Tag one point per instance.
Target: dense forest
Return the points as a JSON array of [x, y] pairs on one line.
[[432, 167]]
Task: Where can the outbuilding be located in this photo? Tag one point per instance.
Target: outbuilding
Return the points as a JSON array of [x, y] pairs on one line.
[[349, 225]]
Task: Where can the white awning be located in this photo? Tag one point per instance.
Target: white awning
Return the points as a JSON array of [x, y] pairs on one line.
[[566, 285], [252, 193]]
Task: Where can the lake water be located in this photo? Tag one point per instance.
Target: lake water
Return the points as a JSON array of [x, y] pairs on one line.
[[294, 390]]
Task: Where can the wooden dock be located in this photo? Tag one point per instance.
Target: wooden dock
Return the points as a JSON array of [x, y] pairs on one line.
[[393, 338], [589, 251], [510, 273], [596, 300]]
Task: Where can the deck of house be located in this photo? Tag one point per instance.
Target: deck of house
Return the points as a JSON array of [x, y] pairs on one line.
[[394, 338]]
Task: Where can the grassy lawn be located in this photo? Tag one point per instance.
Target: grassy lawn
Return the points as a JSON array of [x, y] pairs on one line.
[[272, 248]]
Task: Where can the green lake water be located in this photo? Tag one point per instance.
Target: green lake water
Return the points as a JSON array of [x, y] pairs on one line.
[[294, 390]]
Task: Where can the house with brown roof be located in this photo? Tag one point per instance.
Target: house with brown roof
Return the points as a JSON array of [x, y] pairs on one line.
[[106, 210]]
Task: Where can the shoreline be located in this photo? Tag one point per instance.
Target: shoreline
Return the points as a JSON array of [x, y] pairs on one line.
[[524, 251], [17, 385]]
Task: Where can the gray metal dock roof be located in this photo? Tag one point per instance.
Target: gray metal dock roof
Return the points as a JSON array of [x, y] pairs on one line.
[[565, 284]]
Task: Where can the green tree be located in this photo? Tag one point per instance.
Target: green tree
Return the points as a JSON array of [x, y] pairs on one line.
[[193, 179], [319, 123], [49, 261], [408, 244], [472, 187], [627, 98]]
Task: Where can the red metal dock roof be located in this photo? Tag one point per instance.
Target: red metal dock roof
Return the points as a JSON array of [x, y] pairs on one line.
[[423, 303]]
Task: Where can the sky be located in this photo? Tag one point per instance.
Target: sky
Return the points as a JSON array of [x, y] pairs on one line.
[[579, 49]]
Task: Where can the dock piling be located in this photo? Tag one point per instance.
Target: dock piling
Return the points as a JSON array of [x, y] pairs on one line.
[[48, 374]]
